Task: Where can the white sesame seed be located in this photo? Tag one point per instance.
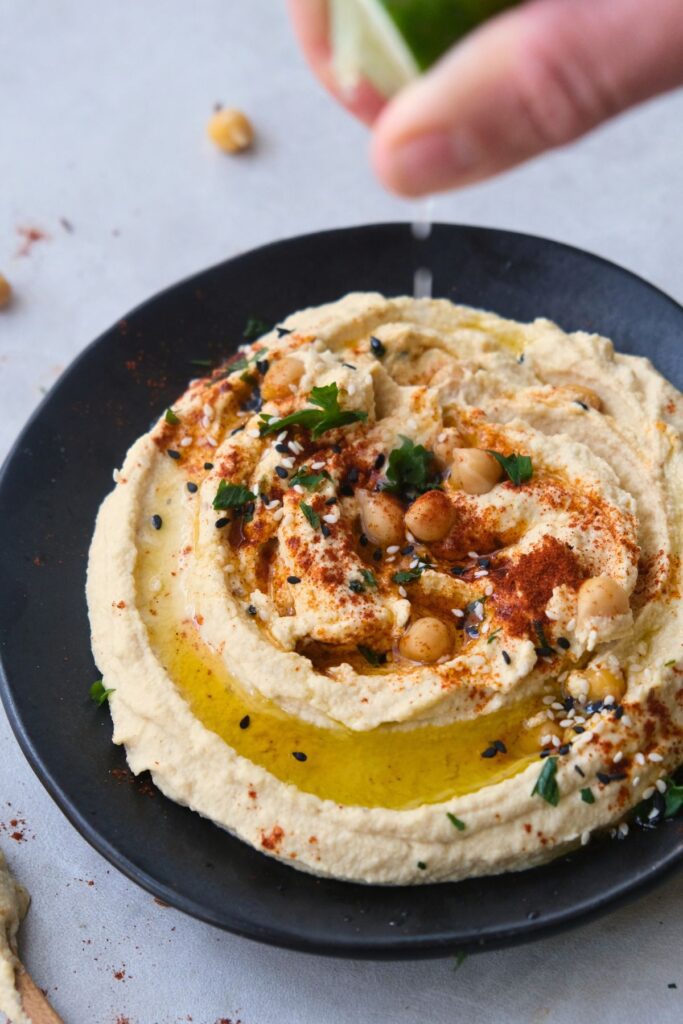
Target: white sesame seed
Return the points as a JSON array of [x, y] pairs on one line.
[[617, 757], [392, 549], [410, 537], [485, 627], [609, 699], [472, 554], [571, 625], [653, 813], [252, 432], [546, 739], [208, 411], [403, 592], [480, 572], [635, 782], [287, 462], [623, 829], [566, 723], [458, 612], [585, 838], [331, 518], [205, 422], [272, 504], [647, 793], [588, 736], [317, 465], [278, 514], [638, 758], [186, 442], [212, 441], [488, 590], [293, 388], [281, 436], [415, 562], [555, 741], [579, 719], [548, 700], [442, 437], [295, 447], [298, 488], [558, 707], [390, 558], [571, 713], [550, 714], [661, 785], [115, 476], [592, 640], [654, 756], [626, 720]]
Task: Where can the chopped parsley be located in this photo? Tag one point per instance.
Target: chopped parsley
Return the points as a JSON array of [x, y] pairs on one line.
[[200, 362], [311, 515], [546, 783], [494, 636], [587, 795], [460, 958], [410, 470], [254, 328], [372, 657], [234, 496], [98, 693], [673, 798], [310, 481], [517, 467], [328, 415], [369, 578], [668, 664], [171, 417], [456, 822]]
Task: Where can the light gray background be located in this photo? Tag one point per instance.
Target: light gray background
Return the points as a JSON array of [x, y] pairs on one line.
[[102, 115]]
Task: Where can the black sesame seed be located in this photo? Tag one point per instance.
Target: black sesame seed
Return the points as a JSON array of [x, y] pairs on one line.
[[220, 523], [262, 366], [331, 501], [500, 746], [356, 586], [325, 530], [489, 752], [604, 778], [579, 771], [281, 472], [377, 347], [236, 430], [563, 643], [506, 657], [245, 722], [564, 749], [363, 540], [408, 550], [282, 331], [579, 729], [532, 915], [299, 755], [208, 465], [377, 555], [173, 453], [568, 703], [458, 570], [336, 448], [485, 563], [349, 366], [156, 522], [192, 488], [520, 359], [346, 491], [380, 460], [593, 707], [582, 404], [544, 652], [472, 631], [251, 609], [254, 402], [619, 711], [294, 579], [282, 448], [547, 753], [352, 475]]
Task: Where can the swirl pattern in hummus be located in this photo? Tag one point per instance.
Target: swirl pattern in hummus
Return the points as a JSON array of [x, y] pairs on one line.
[[426, 627]]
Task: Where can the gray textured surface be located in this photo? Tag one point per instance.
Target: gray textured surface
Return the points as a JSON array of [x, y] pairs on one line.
[[104, 107]]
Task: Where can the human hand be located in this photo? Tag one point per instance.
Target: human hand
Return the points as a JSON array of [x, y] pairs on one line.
[[529, 80]]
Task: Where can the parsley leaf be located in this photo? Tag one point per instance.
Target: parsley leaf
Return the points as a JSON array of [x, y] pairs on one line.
[[307, 479], [456, 822], [546, 784], [517, 467], [254, 328], [98, 693], [587, 795], [171, 417], [311, 515], [369, 578], [407, 575], [410, 469], [232, 496], [372, 657], [673, 799], [327, 416]]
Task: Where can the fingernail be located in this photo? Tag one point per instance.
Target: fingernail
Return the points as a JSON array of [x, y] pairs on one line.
[[435, 161]]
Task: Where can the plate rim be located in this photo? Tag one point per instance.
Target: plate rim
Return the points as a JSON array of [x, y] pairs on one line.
[[398, 946]]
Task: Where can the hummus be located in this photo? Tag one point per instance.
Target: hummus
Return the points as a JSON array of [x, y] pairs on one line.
[[395, 594], [14, 901]]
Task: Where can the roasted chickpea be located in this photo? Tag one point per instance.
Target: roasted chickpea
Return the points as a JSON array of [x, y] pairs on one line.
[[531, 738], [5, 291], [231, 130], [596, 683], [601, 596], [381, 517], [475, 471], [280, 377], [426, 640], [431, 516]]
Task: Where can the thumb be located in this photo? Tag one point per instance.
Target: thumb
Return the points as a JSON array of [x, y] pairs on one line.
[[532, 79]]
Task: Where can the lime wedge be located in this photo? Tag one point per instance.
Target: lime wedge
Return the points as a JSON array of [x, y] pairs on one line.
[[389, 42]]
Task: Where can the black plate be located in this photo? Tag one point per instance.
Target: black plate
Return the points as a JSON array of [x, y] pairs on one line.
[[61, 468]]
